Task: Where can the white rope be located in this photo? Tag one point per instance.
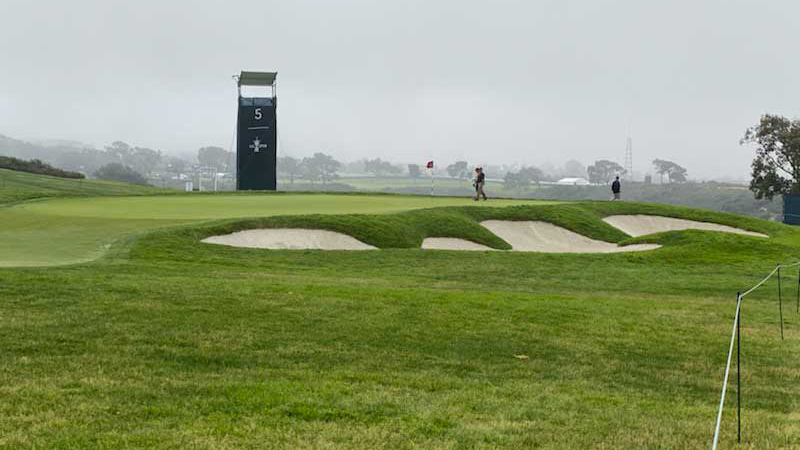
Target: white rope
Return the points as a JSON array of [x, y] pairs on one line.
[[730, 350], [779, 266], [727, 371], [762, 281]]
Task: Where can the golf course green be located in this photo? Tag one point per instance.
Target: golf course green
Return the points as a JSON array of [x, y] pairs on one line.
[[121, 329], [77, 225], [71, 230]]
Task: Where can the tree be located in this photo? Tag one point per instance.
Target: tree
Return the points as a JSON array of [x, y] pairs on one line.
[[674, 172], [145, 159], [514, 180], [119, 151], [573, 168], [355, 166], [776, 167], [458, 169], [523, 178], [320, 167], [176, 165], [678, 175], [89, 160], [603, 171], [119, 172], [216, 157], [141, 159], [414, 171], [533, 174], [290, 168], [379, 167]]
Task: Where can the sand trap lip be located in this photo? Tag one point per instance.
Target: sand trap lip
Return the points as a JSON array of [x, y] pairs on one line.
[[641, 225], [444, 243], [535, 236], [290, 239]]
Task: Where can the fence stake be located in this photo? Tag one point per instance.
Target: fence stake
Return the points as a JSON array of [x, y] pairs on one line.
[[780, 301], [727, 372], [738, 378]]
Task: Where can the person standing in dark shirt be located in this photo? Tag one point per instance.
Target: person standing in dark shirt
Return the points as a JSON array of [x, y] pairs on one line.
[[616, 190], [480, 180]]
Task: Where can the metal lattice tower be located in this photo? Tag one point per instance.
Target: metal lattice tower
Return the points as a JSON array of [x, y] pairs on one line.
[[629, 159]]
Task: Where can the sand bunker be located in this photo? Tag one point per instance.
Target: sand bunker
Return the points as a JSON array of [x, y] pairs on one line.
[[640, 225], [530, 236], [291, 239], [440, 243]]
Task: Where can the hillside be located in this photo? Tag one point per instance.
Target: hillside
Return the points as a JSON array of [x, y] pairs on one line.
[[18, 186]]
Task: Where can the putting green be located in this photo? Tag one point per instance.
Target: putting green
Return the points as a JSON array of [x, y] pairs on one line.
[[71, 230], [198, 207]]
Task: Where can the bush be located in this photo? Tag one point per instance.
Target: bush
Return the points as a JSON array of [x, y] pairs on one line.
[[119, 172], [36, 166]]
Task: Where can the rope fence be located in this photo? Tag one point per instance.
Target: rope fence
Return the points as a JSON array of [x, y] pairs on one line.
[[735, 337]]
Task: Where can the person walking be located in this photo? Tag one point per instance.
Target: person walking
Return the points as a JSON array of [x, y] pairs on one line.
[[480, 181], [616, 190]]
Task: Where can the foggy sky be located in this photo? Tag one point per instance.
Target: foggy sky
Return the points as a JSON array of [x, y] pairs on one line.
[[490, 82]]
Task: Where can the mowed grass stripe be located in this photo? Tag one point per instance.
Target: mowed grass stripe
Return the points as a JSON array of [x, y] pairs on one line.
[[221, 206], [206, 353]]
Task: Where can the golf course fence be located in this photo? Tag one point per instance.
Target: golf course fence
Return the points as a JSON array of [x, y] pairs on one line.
[[735, 338]]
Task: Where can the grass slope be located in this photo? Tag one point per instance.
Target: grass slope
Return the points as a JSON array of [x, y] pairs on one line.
[[169, 343], [408, 229], [18, 186], [174, 344]]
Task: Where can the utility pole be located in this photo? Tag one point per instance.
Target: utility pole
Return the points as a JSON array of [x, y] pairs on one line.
[[629, 159]]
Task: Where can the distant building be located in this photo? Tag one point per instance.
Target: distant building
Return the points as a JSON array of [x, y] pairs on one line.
[[573, 182]]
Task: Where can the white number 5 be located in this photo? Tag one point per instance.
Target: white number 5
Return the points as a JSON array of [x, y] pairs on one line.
[[258, 113]]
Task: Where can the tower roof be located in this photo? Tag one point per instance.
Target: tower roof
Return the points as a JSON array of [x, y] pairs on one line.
[[257, 78]]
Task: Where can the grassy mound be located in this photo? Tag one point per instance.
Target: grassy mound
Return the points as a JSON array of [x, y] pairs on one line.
[[16, 186], [409, 228]]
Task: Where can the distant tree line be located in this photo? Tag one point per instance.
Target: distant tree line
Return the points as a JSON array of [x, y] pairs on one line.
[[522, 179], [120, 172], [36, 166], [318, 168], [603, 171], [674, 172]]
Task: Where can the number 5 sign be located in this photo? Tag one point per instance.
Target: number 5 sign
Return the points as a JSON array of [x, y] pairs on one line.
[[256, 136]]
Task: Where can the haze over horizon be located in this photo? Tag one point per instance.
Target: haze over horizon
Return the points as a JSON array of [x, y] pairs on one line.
[[506, 82]]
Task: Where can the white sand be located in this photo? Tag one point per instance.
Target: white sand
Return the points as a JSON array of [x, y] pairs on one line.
[[640, 225], [440, 243], [290, 238], [534, 236]]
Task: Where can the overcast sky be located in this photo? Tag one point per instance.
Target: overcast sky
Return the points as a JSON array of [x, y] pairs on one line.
[[490, 82]]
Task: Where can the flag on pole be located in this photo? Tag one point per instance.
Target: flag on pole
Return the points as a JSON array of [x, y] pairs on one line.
[[429, 165]]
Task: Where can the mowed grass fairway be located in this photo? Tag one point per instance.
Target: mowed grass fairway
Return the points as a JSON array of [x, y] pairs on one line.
[[166, 342]]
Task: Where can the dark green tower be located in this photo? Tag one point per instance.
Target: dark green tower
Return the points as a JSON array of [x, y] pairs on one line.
[[257, 134]]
